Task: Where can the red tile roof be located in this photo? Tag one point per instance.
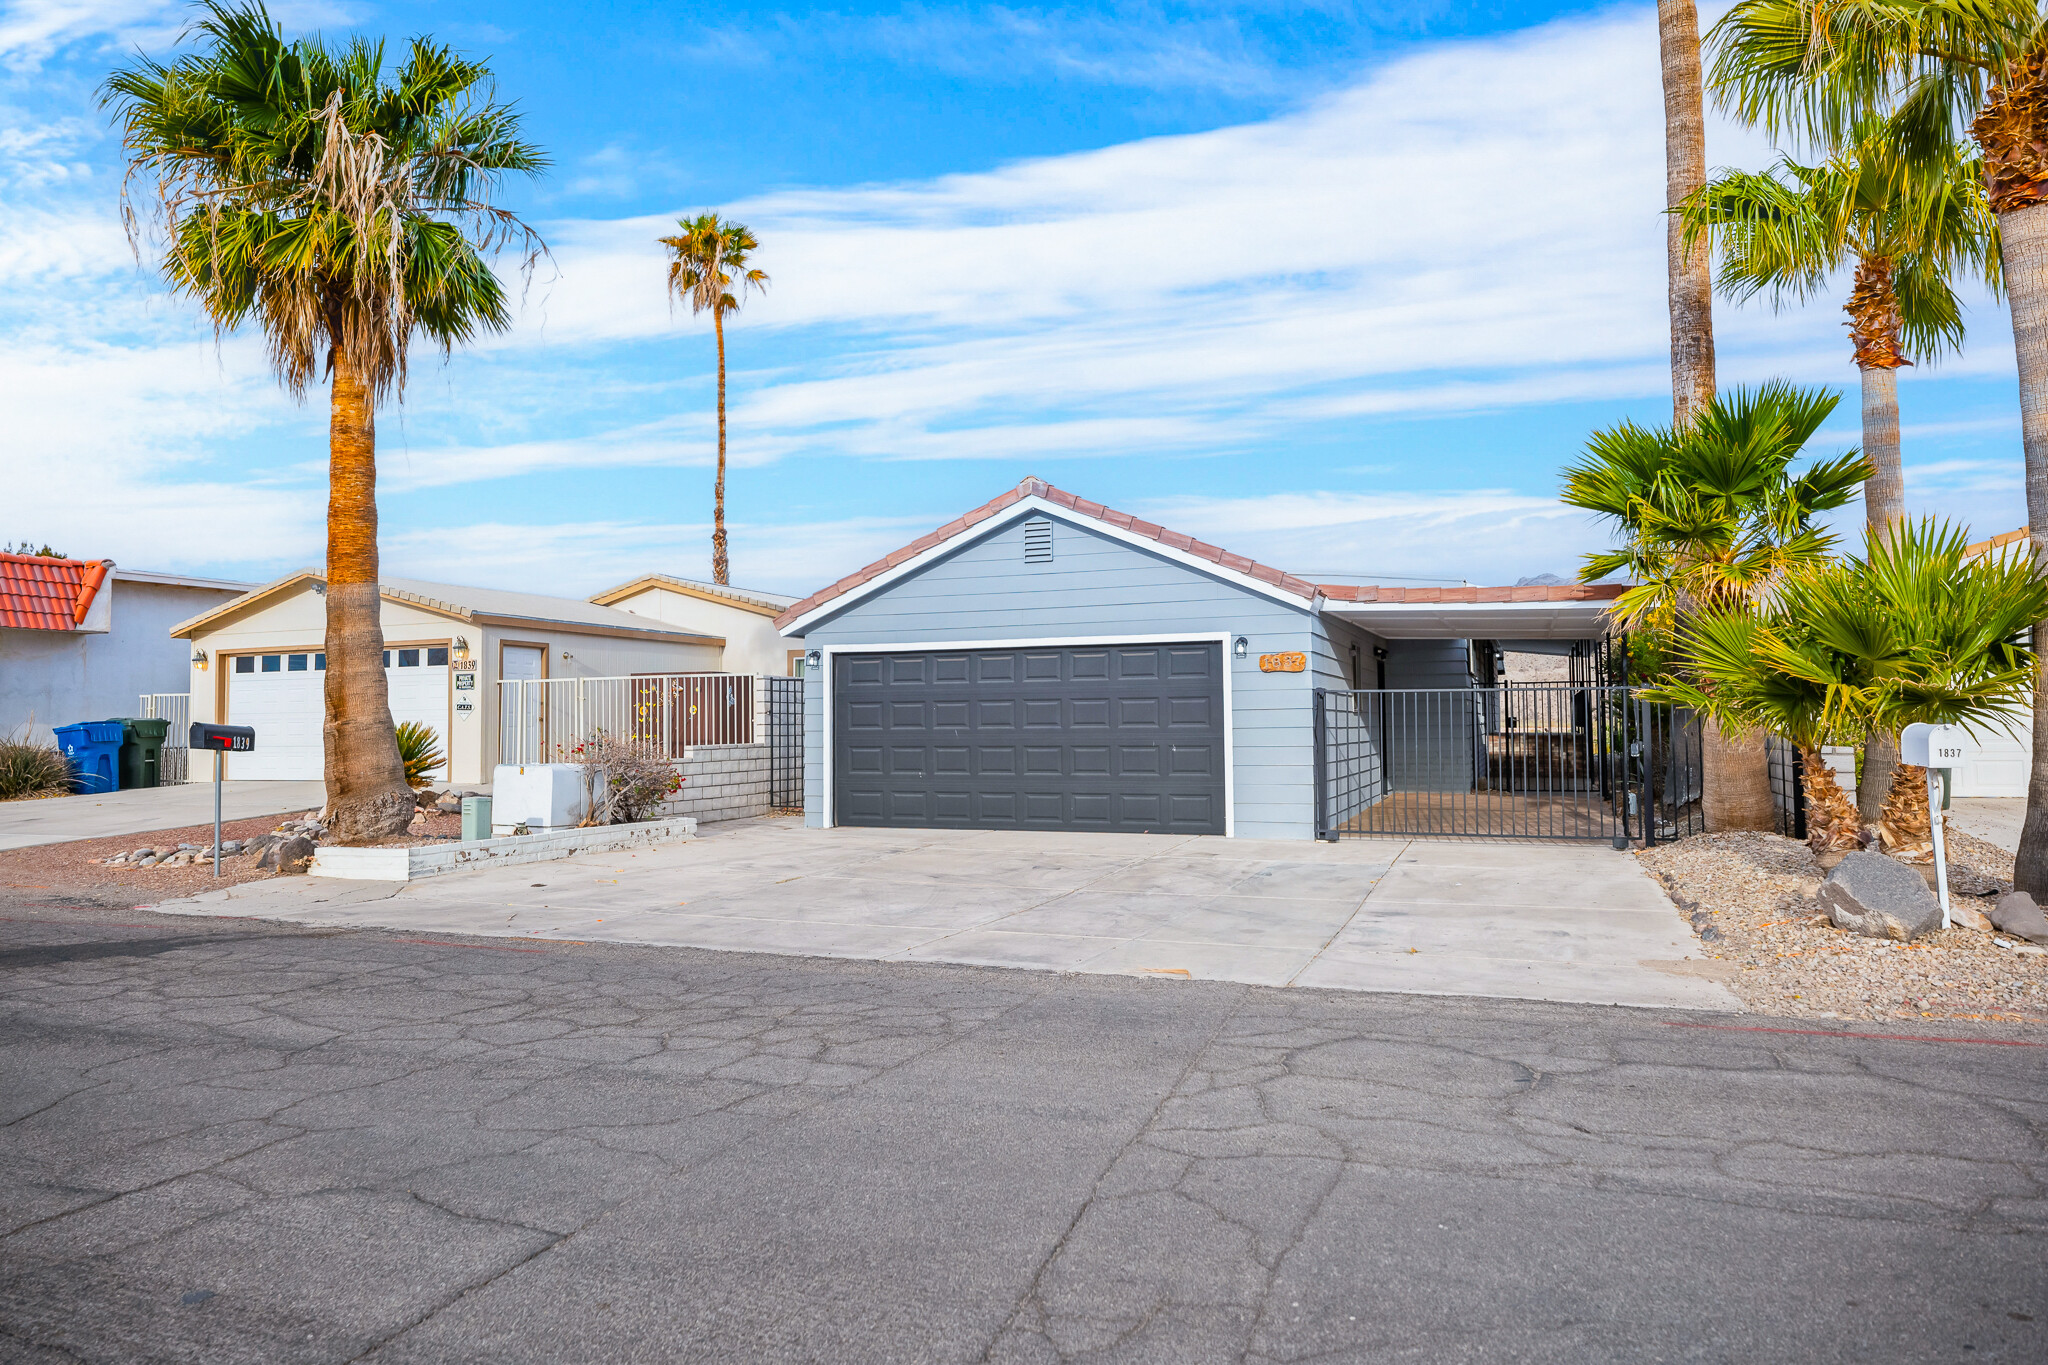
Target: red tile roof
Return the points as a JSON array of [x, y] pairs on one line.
[[1287, 582], [48, 594]]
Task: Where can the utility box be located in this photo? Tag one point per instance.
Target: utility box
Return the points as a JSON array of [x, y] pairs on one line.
[[476, 818], [540, 796]]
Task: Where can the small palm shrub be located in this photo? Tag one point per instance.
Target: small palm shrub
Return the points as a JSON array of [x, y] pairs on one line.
[[420, 748], [30, 771]]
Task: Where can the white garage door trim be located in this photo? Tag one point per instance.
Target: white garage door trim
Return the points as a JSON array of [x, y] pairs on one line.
[[1222, 638], [288, 720]]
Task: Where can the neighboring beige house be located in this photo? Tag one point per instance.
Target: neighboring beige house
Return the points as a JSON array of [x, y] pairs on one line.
[[743, 616], [258, 660]]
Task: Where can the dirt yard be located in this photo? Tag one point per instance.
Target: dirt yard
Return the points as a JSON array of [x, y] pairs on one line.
[[1753, 901]]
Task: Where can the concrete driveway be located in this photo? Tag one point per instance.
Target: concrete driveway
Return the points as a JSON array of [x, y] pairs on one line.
[[1534, 921], [61, 819]]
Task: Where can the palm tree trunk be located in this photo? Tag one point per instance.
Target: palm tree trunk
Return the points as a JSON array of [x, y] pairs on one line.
[[1884, 505], [1830, 817], [2023, 235], [720, 570], [367, 794], [1685, 170], [1735, 779]]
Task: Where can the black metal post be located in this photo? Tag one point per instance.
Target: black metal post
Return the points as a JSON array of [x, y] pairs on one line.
[[1320, 729], [216, 811], [1644, 809]]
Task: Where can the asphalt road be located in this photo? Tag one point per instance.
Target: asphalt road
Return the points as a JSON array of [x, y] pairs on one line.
[[241, 1141]]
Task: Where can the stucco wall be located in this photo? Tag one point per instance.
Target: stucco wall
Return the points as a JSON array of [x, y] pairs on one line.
[[51, 678], [1099, 587], [752, 644]]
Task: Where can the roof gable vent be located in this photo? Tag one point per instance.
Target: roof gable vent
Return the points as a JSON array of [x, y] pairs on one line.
[[1038, 541]]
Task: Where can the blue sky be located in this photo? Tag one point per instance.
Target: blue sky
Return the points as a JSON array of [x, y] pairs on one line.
[[1340, 286]]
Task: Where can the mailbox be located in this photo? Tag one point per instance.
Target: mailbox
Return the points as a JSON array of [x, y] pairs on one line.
[[233, 739], [1936, 746]]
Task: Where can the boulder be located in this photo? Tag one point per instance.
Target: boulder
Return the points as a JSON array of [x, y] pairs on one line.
[[288, 855], [1880, 897], [2016, 914]]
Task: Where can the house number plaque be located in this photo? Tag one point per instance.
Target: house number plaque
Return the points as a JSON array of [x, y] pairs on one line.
[[1283, 663]]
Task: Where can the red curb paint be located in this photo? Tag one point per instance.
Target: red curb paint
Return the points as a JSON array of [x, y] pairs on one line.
[[480, 947], [1832, 1033]]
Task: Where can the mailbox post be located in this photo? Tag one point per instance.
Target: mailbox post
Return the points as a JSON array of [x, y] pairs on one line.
[[1940, 749], [222, 739]]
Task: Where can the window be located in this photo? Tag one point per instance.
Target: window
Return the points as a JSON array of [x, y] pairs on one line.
[[408, 658], [319, 663], [437, 657], [245, 663], [387, 658], [273, 663], [296, 663]]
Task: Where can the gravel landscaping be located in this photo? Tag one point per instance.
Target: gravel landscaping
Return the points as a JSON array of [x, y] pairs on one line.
[[1752, 899]]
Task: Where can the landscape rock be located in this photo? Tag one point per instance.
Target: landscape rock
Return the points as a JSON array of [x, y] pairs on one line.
[[288, 855], [450, 804], [2016, 914], [1880, 897], [1963, 917], [426, 798]]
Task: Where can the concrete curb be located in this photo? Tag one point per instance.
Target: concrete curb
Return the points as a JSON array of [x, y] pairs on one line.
[[411, 864]]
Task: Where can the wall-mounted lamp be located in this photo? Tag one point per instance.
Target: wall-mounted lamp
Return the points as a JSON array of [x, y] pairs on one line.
[[199, 659], [566, 656], [814, 659], [462, 646], [1242, 649], [1379, 651]]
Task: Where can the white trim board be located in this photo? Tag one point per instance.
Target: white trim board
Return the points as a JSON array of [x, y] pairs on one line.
[[1038, 506], [1220, 639]]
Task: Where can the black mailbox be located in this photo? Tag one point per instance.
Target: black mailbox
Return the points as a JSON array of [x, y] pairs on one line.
[[234, 739]]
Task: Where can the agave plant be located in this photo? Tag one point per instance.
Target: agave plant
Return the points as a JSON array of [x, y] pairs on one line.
[[420, 749], [1913, 631]]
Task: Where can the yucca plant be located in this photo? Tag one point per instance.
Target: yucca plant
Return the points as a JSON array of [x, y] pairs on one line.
[[419, 748], [31, 771]]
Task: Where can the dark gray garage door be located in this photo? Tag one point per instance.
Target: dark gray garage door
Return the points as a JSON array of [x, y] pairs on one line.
[[1108, 737]]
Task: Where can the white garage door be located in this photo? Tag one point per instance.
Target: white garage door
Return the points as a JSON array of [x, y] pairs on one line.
[[280, 696]]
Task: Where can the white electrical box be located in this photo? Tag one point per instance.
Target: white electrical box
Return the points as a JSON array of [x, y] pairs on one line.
[[1936, 746], [540, 796]]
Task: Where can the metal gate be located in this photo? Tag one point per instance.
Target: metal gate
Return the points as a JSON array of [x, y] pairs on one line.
[[1516, 761], [785, 743]]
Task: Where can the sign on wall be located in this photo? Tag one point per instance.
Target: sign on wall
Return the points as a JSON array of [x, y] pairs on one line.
[[1283, 663]]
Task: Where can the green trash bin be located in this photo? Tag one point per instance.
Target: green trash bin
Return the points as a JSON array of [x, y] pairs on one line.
[[142, 744]]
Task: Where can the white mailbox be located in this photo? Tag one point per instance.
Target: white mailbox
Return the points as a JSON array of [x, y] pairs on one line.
[[1936, 746]]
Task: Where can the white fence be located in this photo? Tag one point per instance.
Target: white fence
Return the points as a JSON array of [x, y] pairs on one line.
[[174, 764], [543, 720]]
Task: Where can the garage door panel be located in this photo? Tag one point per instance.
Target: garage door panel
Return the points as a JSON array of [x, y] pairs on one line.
[[1122, 737], [281, 695]]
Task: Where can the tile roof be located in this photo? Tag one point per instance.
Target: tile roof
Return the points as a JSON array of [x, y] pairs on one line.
[[1536, 592], [1286, 582], [1123, 521], [37, 593]]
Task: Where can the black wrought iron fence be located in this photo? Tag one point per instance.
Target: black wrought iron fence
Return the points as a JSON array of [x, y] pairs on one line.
[[1516, 761], [785, 743], [1788, 787]]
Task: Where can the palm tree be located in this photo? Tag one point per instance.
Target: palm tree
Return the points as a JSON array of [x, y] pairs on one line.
[[1907, 225], [1814, 68], [1711, 517], [707, 261], [294, 186], [1689, 284], [1913, 631]]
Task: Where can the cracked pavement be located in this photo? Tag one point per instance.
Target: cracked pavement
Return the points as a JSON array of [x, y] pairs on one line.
[[239, 1141]]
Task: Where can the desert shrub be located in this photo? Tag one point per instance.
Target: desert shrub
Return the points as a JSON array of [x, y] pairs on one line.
[[627, 782], [419, 747], [29, 771]]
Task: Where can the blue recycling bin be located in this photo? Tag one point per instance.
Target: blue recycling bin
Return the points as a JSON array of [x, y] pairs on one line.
[[93, 748]]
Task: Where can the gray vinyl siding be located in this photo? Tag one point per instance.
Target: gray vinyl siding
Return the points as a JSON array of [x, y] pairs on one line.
[[1354, 776], [1096, 586], [1433, 736]]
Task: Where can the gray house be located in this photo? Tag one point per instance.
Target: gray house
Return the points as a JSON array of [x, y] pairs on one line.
[[1044, 662]]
